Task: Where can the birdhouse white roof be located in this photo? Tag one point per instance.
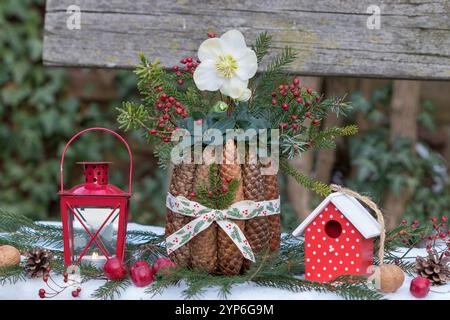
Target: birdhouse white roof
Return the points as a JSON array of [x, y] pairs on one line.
[[352, 209]]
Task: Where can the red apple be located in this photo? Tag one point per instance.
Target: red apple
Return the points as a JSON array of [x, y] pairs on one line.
[[141, 274], [162, 264], [420, 287], [114, 269]]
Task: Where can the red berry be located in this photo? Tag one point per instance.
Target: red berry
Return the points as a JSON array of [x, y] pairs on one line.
[[153, 131], [75, 293], [292, 87], [404, 221], [224, 189], [45, 277], [78, 289], [160, 89], [317, 99], [274, 94], [199, 121], [180, 82], [178, 73], [294, 117], [228, 180], [308, 114], [309, 90], [442, 235], [183, 61], [444, 218], [295, 126], [141, 274], [434, 219], [164, 265], [192, 194], [210, 193], [296, 81], [189, 59], [212, 35], [285, 106], [41, 291], [274, 101], [299, 100], [114, 269], [171, 99], [281, 87], [175, 68], [295, 93], [307, 103], [316, 121], [163, 97], [420, 287], [415, 222]]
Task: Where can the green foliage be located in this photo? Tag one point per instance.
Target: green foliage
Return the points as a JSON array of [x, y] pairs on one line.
[[212, 196], [383, 167], [262, 45], [111, 289], [318, 187], [38, 115]]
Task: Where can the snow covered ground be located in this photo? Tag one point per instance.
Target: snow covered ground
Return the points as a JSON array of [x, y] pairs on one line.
[[29, 289]]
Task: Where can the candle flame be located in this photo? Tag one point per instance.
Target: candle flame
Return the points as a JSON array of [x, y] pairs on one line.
[[94, 255]]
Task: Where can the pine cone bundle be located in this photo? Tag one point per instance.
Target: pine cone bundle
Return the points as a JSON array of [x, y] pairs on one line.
[[212, 250], [435, 267], [38, 262]]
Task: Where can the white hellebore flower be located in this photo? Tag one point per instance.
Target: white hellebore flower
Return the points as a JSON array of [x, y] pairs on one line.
[[245, 95], [226, 65]]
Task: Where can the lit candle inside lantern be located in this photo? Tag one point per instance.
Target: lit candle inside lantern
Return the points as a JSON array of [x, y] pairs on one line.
[[95, 260]]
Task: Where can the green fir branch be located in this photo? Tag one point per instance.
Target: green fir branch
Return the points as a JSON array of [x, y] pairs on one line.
[[11, 274], [326, 139], [111, 289], [262, 45], [318, 187]]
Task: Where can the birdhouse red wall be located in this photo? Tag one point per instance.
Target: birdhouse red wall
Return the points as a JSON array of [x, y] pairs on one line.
[[334, 247]]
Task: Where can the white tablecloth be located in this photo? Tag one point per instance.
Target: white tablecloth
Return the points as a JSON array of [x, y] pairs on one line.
[[29, 289]]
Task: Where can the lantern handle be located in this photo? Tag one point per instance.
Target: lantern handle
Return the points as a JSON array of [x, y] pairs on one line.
[[96, 129]]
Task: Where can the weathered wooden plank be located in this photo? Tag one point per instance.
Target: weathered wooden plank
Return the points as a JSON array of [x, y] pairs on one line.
[[412, 43]]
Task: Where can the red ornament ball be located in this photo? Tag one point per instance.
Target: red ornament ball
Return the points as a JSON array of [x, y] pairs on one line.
[[114, 269], [420, 287], [141, 274], [163, 264]]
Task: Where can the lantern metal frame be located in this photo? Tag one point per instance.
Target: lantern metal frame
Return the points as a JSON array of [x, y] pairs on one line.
[[117, 200]]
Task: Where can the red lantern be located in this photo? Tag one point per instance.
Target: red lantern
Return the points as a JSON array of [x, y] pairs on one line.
[[94, 214]]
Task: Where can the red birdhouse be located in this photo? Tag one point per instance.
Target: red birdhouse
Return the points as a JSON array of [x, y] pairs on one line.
[[339, 239]]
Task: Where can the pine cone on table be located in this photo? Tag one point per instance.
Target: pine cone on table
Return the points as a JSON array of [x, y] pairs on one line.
[[435, 267], [38, 263], [229, 257], [257, 230], [181, 184], [204, 245]]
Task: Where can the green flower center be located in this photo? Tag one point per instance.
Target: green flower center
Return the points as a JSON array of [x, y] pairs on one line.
[[226, 65]]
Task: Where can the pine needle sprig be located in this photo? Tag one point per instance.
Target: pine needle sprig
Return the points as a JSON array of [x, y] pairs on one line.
[[11, 274], [326, 139], [262, 45], [318, 187], [111, 289]]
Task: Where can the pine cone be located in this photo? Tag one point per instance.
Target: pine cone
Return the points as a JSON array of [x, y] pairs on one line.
[[229, 257], [272, 193], [435, 267], [38, 263], [180, 184], [257, 230], [204, 245]]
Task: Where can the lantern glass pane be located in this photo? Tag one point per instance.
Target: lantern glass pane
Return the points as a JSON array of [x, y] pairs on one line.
[[86, 224]]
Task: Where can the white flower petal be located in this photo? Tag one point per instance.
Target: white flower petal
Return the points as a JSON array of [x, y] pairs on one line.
[[233, 87], [245, 95], [234, 43], [247, 65], [210, 49], [206, 78]]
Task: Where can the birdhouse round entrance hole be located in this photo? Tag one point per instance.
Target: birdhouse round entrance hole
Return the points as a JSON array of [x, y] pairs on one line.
[[333, 229]]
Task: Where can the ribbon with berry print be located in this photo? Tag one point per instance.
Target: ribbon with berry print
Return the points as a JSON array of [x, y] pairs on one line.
[[204, 217]]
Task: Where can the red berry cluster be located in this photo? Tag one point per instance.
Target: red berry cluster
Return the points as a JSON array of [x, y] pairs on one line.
[[55, 288], [295, 100], [440, 231], [188, 66], [170, 110]]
